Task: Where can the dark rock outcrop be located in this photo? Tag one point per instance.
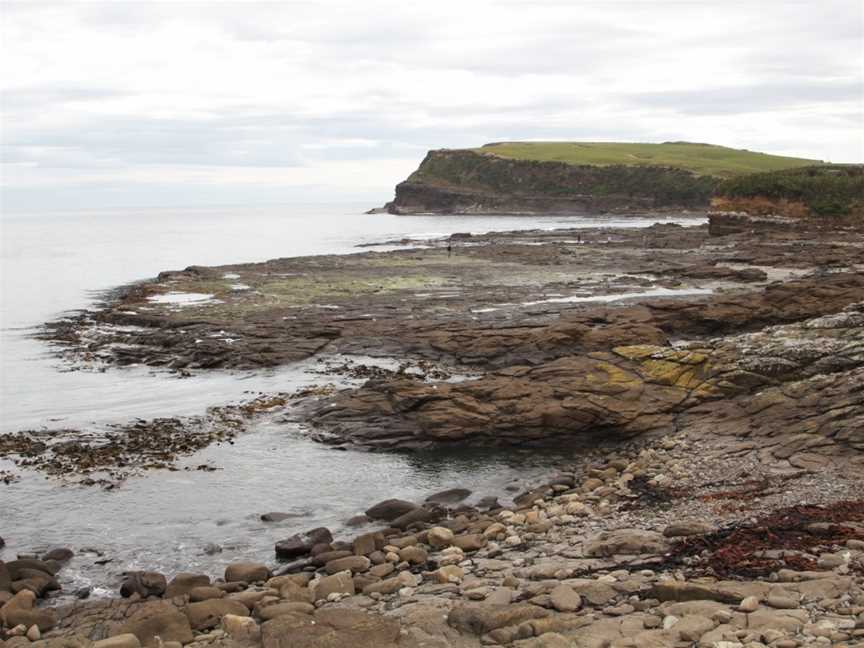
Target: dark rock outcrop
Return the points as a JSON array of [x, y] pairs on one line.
[[627, 390], [462, 181]]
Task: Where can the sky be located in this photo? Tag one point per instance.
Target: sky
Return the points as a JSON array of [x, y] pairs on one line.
[[122, 103]]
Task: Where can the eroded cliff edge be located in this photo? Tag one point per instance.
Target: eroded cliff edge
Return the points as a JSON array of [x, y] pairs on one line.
[[467, 182]]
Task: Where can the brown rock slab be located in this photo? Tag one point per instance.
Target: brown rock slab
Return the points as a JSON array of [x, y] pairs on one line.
[[331, 628], [247, 572], [390, 509], [208, 614], [143, 584], [479, 619], [340, 583], [183, 583], [158, 619]]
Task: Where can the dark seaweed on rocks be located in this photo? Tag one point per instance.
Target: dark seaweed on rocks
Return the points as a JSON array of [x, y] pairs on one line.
[[786, 538]]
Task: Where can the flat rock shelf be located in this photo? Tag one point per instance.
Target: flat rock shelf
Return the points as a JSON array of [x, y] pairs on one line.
[[702, 388]]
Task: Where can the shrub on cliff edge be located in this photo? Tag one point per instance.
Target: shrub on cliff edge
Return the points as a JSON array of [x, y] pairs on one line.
[[830, 190]]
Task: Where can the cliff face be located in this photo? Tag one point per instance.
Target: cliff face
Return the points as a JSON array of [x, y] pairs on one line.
[[464, 182], [810, 199]]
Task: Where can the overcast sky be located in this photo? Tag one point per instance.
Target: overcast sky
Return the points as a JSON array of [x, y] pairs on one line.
[[143, 103]]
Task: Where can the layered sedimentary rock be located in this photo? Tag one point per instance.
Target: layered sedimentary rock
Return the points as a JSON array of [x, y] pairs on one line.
[[462, 181], [637, 388]]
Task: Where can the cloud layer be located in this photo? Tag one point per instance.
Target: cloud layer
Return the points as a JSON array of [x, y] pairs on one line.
[[126, 103]]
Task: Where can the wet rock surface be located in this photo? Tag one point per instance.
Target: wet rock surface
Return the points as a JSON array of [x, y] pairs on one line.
[[713, 498], [634, 389], [457, 308], [648, 543]]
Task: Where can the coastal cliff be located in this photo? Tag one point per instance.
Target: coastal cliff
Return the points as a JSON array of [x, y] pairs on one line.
[[805, 199], [561, 177], [468, 182]]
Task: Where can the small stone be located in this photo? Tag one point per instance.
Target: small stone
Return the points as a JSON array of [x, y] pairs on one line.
[[413, 555], [449, 574], [493, 530], [470, 542], [681, 529], [391, 509], [340, 583], [33, 633], [749, 604], [143, 584], [247, 572], [205, 593], [438, 537], [781, 600], [355, 564], [126, 640], [565, 599], [206, 615], [60, 554]]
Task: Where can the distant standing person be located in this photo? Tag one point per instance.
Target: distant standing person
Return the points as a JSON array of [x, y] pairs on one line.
[[449, 247]]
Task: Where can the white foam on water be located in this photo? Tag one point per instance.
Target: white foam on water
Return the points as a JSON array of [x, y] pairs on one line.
[[654, 292], [182, 298], [579, 299]]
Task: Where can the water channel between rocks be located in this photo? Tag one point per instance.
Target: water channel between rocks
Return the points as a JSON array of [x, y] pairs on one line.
[[165, 520]]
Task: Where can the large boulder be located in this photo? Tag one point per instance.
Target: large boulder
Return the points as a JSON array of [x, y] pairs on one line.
[[158, 619], [21, 610], [184, 583], [208, 614], [144, 584], [23, 600], [340, 583], [390, 509], [15, 567], [356, 564], [419, 514], [36, 581], [301, 544], [243, 630], [59, 554], [205, 593], [247, 572], [449, 496]]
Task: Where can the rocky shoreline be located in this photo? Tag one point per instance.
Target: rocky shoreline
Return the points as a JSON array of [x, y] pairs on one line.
[[710, 380], [671, 542]]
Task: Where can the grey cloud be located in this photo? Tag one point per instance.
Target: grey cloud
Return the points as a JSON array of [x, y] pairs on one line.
[[749, 98], [271, 139], [137, 140], [44, 97]]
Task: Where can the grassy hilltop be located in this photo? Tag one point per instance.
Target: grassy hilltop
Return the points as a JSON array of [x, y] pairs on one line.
[[702, 159], [578, 177]]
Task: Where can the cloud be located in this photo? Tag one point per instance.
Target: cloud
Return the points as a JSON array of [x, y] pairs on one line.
[[753, 98], [349, 96]]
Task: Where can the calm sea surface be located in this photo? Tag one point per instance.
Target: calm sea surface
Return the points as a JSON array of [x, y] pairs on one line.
[[55, 262]]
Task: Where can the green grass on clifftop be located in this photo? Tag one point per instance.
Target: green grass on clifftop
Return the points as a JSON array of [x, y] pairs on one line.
[[702, 159]]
